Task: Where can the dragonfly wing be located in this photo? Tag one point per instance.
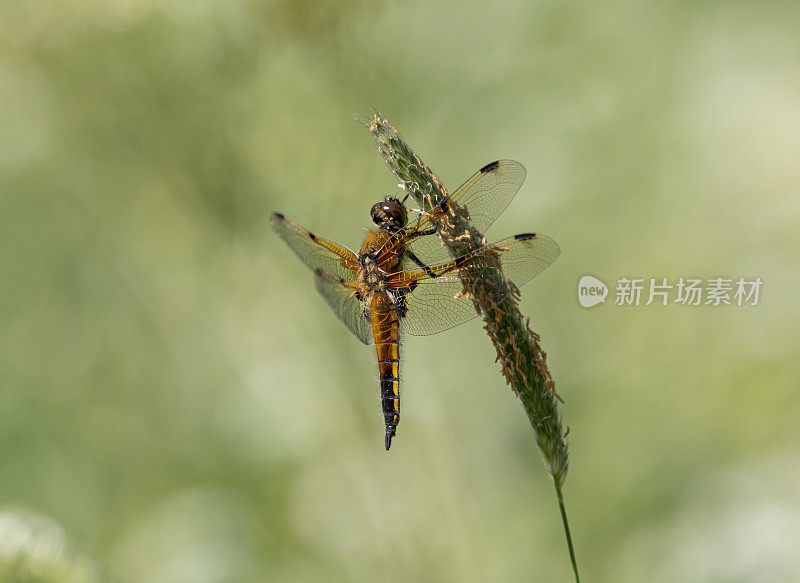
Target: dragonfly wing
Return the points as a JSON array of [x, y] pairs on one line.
[[431, 309], [487, 193], [315, 251], [482, 197], [435, 297], [340, 295], [523, 256]]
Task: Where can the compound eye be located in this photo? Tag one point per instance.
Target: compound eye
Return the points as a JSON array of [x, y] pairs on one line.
[[377, 214], [389, 211], [396, 212]]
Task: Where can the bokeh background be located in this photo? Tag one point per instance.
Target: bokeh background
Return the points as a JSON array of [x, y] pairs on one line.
[[177, 405]]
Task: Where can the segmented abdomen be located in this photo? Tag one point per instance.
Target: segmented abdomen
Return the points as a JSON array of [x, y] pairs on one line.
[[385, 330]]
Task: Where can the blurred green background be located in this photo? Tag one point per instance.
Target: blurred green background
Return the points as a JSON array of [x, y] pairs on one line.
[[177, 405]]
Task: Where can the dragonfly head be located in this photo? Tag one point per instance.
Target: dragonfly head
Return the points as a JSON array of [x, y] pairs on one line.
[[389, 214]]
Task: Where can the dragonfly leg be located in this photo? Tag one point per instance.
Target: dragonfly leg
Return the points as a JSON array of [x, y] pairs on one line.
[[419, 262], [431, 231]]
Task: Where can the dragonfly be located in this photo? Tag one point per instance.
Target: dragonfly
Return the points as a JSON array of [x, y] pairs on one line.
[[404, 280]]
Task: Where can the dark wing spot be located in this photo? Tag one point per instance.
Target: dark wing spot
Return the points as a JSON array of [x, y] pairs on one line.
[[412, 285], [312, 236], [525, 236], [400, 303], [489, 167], [278, 216], [318, 271]]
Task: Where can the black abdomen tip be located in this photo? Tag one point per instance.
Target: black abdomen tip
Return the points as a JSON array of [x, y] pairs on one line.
[[390, 431]]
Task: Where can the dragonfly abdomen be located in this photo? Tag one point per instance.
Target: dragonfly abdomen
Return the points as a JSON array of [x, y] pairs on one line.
[[385, 330]]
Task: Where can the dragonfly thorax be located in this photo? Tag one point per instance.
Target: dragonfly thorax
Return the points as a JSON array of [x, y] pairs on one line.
[[371, 278]]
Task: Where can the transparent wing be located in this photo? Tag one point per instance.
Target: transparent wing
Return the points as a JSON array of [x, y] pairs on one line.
[[315, 251], [340, 295], [434, 296], [487, 193], [483, 197], [431, 309], [429, 249]]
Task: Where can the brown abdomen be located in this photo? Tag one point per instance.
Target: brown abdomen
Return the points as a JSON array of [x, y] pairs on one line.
[[385, 330]]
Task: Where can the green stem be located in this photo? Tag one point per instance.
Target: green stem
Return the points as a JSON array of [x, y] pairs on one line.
[[566, 530]]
